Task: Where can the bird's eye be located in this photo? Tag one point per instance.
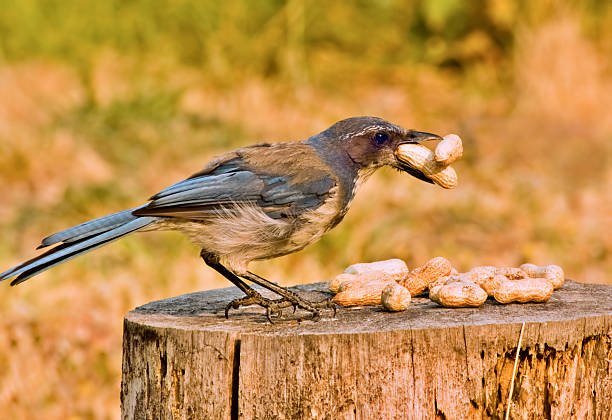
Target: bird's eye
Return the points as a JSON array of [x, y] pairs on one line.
[[380, 138]]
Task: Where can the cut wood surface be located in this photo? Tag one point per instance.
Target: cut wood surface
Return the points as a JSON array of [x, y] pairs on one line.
[[183, 360]]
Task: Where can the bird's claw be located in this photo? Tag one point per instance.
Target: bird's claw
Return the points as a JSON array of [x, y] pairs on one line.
[[253, 298], [324, 304], [331, 305], [274, 307]]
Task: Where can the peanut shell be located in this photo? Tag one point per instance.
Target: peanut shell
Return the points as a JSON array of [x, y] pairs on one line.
[[436, 285], [487, 276], [369, 293], [395, 268], [334, 285], [420, 278], [448, 150], [345, 281], [461, 294], [553, 273], [490, 284], [395, 297], [511, 273], [422, 159], [524, 290]]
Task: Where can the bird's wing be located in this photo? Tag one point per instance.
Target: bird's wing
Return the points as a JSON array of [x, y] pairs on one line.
[[284, 179]]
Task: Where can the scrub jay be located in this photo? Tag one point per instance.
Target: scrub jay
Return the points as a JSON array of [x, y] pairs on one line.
[[253, 203]]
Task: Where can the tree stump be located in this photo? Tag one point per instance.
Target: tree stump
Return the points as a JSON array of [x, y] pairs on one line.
[[183, 360]]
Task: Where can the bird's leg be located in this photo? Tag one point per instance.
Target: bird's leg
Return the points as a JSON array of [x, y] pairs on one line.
[[252, 296], [273, 306]]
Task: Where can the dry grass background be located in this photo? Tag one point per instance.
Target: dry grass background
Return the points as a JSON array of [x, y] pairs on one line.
[[90, 132]]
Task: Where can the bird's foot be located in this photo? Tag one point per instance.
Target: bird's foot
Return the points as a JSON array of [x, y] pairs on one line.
[[323, 304], [252, 298], [274, 307], [296, 301]]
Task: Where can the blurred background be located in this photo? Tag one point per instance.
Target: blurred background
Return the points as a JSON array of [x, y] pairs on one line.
[[103, 104]]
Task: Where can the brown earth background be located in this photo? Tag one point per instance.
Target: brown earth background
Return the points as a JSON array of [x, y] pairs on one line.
[[102, 105]]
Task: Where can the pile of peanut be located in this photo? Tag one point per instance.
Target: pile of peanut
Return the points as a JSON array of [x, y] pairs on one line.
[[391, 284]]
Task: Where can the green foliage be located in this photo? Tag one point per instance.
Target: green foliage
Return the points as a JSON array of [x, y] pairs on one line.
[[292, 39], [257, 36]]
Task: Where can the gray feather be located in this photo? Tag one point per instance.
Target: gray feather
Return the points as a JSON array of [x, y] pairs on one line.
[[89, 228], [239, 187], [67, 251], [201, 197]]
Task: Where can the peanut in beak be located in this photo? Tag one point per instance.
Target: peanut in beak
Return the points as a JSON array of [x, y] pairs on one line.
[[434, 165]]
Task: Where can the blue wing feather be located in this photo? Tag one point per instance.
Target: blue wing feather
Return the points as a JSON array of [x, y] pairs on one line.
[[230, 184]]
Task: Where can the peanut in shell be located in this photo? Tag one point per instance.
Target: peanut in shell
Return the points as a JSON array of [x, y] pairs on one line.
[[524, 290], [395, 298], [420, 278], [422, 159], [369, 293], [395, 268], [553, 273], [461, 294], [448, 150]]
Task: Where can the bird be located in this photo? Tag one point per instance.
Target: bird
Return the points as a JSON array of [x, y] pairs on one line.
[[254, 203]]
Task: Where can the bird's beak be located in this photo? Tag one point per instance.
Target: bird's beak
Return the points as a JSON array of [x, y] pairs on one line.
[[419, 137], [415, 137]]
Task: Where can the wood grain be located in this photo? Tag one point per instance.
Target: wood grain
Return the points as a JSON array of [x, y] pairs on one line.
[[184, 360]]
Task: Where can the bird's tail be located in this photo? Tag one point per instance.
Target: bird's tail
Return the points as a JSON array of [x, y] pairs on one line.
[[78, 240]]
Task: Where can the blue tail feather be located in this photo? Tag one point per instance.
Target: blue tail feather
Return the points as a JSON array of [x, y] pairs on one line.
[[90, 227], [77, 241]]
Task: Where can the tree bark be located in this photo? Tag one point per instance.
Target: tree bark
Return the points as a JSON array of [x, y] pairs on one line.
[[183, 360]]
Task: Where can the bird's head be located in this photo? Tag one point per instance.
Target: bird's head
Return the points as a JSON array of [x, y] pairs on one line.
[[371, 142]]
